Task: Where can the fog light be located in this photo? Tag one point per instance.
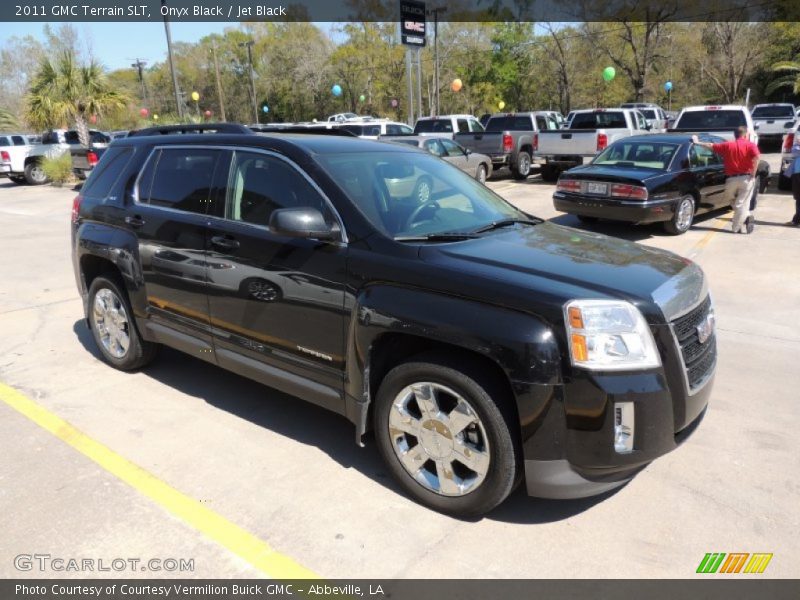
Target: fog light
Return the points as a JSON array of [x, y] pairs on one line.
[[623, 427]]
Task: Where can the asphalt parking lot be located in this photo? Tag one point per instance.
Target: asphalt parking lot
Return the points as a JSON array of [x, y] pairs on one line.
[[186, 461]]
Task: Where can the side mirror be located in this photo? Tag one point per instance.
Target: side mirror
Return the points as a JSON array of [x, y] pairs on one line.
[[467, 151], [648, 126], [304, 222], [756, 127]]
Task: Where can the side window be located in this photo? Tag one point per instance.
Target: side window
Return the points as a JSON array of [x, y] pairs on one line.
[[702, 157], [475, 126], [434, 147], [451, 148], [4, 141], [18, 140], [181, 179], [260, 184], [462, 126], [106, 173]]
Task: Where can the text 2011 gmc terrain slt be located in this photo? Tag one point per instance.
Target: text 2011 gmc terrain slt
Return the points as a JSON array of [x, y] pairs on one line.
[[482, 345]]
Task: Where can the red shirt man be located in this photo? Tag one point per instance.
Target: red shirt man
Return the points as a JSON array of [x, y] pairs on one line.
[[738, 156]]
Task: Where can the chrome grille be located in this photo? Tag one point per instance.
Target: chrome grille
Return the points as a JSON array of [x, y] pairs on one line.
[[698, 358]]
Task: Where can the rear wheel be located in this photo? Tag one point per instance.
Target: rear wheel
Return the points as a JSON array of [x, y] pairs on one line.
[[523, 167], [446, 436], [34, 173], [550, 173], [682, 220], [784, 183], [113, 328]]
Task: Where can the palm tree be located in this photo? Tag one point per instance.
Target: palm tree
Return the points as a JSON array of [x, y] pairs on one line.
[[791, 80], [63, 91], [7, 120]]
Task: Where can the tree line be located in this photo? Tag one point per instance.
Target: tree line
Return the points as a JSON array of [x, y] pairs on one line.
[[295, 65]]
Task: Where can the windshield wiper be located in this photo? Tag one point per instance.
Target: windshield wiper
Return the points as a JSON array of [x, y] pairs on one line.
[[508, 222], [436, 237]]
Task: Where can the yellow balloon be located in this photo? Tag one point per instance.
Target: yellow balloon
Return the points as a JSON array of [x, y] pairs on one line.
[[155, 117], [501, 105], [456, 85], [195, 96]]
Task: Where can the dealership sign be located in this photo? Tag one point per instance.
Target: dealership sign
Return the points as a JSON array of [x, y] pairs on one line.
[[412, 22]]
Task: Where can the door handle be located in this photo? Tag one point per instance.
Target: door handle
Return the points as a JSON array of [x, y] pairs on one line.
[[134, 221], [224, 242]]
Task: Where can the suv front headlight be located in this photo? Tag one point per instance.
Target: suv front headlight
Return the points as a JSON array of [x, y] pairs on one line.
[[609, 335]]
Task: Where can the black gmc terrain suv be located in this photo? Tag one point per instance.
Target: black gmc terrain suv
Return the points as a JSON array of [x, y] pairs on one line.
[[482, 345]]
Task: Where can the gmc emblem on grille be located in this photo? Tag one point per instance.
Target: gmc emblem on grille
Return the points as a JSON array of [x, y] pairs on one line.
[[706, 328]]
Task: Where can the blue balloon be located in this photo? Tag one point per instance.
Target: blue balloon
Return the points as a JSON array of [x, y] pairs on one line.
[[668, 86], [336, 90], [265, 108]]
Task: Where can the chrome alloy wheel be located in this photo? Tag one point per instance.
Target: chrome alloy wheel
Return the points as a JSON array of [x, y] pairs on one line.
[[685, 214], [111, 322], [439, 439], [262, 290]]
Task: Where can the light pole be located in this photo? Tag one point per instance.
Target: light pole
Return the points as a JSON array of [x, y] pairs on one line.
[[249, 45], [172, 63], [139, 66], [435, 12]]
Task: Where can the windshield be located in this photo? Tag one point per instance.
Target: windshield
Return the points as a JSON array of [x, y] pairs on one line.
[[642, 154], [596, 120], [712, 119], [406, 194], [774, 111], [434, 126]]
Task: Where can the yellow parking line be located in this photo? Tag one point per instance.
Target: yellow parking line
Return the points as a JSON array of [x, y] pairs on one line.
[[706, 239], [242, 543]]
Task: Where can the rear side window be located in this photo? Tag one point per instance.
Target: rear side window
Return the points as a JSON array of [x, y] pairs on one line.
[[71, 137], [462, 126], [712, 119], [475, 126], [181, 179], [18, 140], [399, 130], [4, 141], [510, 122], [107, 172], [51, 137], [434, 126]]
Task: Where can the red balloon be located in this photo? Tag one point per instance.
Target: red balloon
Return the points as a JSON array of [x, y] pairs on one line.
[[144, 112], [93, 119], [208, 113]]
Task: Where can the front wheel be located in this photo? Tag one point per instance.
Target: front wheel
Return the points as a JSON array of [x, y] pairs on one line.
[[113, 328], [34, 173], [481, 174], [550, 173], [446, 436], [784, 183], [523, 167], [682, 220]]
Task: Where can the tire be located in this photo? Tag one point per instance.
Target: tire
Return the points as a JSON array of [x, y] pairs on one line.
[[784, 183], [260, 289], [523, 167], [18, 179], [683, 218], [585, 219], [482, 173], [550, 173], [107, 298], [34, 174], [423, 190], [491, 435]]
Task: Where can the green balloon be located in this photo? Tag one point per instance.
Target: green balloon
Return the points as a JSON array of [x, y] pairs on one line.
[[361, 98], [609, 73]]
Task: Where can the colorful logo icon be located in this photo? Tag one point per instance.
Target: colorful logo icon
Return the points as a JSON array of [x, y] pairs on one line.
[[735, 562]]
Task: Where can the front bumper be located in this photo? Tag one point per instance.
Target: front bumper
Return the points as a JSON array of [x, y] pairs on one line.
[[633, 211]]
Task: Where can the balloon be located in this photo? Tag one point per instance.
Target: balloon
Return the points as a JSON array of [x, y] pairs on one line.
[[208, 113], [155, 117], [609, 73], [668, 86], [501, 105], [195, 96], [336, 90], [362, 98], [93, 119], [144, 112], [265, 108], [395, 103], [456, 85]]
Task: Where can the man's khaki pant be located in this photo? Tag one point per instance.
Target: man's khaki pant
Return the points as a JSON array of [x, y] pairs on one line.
[[740, 190]]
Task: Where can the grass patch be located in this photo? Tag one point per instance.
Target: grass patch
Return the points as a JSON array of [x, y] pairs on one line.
[[58, 169]]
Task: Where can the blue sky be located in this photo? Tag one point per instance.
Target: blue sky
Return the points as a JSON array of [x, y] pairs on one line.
[[115, 44]]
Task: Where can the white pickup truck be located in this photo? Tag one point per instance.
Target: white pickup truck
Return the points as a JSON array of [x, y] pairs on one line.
[[721, 121], [14, 149], [773, 121], [588, 132]]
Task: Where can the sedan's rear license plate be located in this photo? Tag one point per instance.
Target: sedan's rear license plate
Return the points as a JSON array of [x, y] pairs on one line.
[[597, 188]]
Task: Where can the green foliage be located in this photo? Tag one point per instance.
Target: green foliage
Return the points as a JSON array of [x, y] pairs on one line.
[[7, 120], [58, 168]]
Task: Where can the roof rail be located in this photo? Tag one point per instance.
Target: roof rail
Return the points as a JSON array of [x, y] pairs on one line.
[[303, 129], [192, 128]]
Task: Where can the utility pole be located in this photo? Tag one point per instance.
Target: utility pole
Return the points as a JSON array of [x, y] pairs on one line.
[[249, 45], [172, 64], [219, 83], [139, 66], [435, 12]]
